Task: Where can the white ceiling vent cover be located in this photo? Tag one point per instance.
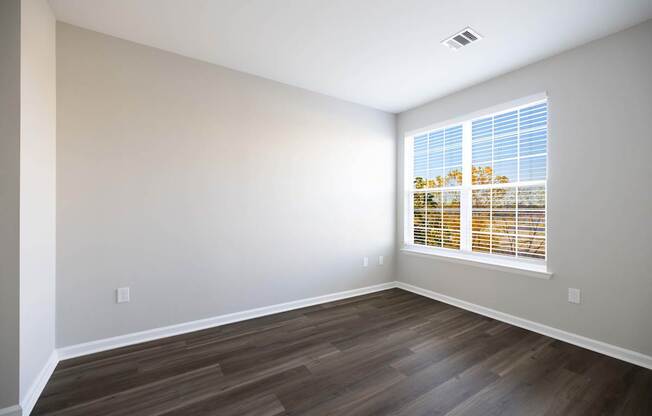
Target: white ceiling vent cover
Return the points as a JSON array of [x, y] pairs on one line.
[[462, 38]]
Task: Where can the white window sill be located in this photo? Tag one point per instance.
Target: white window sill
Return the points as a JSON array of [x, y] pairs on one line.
[[526, 268]]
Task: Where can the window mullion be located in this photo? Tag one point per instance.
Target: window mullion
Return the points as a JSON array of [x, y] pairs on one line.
[[465, 196], [518, 181]]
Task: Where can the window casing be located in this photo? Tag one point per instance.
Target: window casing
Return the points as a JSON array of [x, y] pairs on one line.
[[478, 186]]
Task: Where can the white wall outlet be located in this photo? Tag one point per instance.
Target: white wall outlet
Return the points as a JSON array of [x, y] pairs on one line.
[[122, 295], [381, 260], [574, 295], [365, 262]]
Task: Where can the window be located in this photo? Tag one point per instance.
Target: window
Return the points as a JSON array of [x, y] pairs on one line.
[[479, 186]]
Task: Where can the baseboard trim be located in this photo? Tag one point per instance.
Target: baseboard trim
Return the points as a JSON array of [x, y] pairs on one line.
[[614, 351], [11, 411], [31, 397], [186, 327]]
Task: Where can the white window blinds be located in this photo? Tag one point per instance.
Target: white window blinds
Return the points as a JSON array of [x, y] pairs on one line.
[[480, 186], [437, 176]]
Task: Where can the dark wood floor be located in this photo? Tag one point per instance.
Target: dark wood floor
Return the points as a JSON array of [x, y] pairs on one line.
[[388, 353]]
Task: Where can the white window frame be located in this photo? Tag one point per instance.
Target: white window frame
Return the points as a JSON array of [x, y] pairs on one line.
[[533, 267]]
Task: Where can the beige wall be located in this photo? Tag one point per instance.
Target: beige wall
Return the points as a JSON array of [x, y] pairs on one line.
[[37, 189], [206, 190], [600, 102], [9, 199]]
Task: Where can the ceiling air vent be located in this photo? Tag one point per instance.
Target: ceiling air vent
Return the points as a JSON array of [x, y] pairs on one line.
[[462, 38]]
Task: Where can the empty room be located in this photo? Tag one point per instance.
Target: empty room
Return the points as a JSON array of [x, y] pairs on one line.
[[325, 207]]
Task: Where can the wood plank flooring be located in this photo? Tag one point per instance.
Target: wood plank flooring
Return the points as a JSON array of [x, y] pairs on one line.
[[387, 353]]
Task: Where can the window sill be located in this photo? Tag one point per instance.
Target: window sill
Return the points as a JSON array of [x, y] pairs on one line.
[[506, 265]]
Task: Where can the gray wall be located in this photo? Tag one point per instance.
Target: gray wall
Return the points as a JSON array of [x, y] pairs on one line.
[[37, 189], [207, 191], [9, 199], [600, 100]]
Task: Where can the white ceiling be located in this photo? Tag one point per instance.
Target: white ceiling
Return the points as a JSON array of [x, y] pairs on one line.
[[381, 53]]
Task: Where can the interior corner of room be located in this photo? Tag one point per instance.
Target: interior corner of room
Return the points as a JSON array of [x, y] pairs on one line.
[[156, 198]]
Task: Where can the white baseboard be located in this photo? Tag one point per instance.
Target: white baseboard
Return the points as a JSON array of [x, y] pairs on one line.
[[167, 331], [11, 411], [584, 342], [29, 401], [158, 333]]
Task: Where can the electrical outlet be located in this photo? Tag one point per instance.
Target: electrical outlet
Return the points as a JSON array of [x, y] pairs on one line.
[[574, 295], [365, 262], [122, 295], [381, 260]]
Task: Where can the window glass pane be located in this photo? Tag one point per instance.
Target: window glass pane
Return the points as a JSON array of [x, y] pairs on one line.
[[438, 158], [435, 157], [451, 239], [482, 174], [434, 210], [451, 199], [503, 198], [505, 171], [532, 197], [481, 221], [420, 236], [419, 201], [420, 162], [454, 176], [534, 117], [505, 147], [437, 219], [534, 247], [434, 237], [453, 155], [436, 141], [420, 219], [503, 217], [503, 244], [434, 218], [532, 223], [532, 211], [451, 219], [482, 129], [533, 168], [433, 200], [482, 152], [505, 124], [453, 146], [503, 222], [435, 178], [533, 143], [481, 242], [481, 198], [451, 211]]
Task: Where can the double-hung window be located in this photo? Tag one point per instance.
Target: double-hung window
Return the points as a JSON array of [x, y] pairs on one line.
[[477, 187]]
